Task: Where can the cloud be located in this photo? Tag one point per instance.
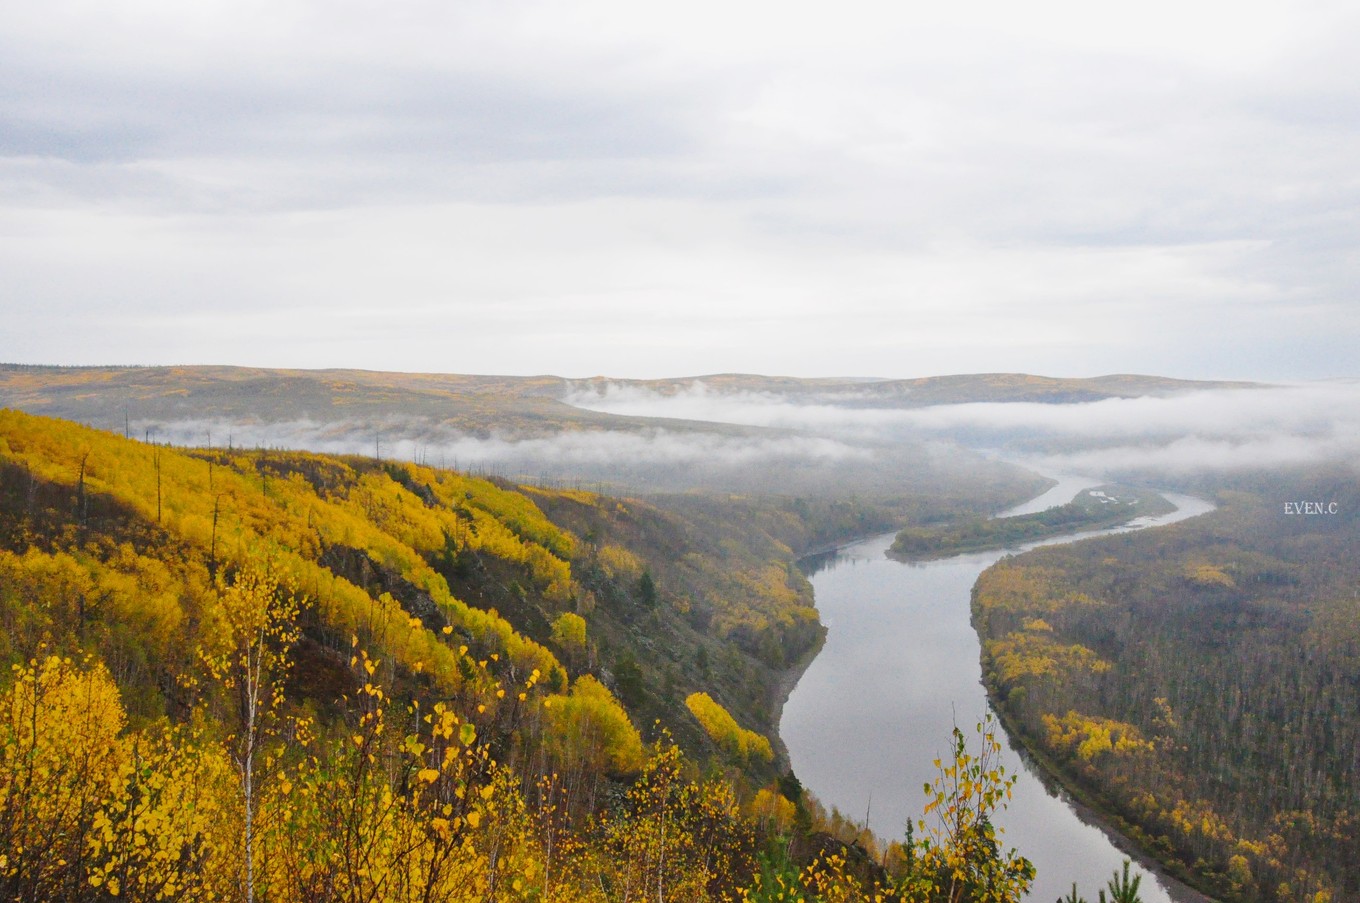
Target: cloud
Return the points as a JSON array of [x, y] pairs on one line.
[[1196, 454], [833, 439], [1229, 429], [1309, 410], [566, 452]]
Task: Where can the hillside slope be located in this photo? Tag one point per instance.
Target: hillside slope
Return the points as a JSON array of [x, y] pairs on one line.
[[242, 617], [374, 545]]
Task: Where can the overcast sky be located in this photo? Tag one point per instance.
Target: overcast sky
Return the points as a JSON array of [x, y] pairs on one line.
[[634, 189]]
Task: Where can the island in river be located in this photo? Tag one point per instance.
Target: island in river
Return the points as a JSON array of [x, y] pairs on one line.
[[1091, 509]]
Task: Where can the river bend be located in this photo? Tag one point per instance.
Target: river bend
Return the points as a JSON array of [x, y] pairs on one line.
[[899, 668]]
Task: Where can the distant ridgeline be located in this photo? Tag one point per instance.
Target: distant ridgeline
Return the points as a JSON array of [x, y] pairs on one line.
[[1106, 506], [1201, 682]]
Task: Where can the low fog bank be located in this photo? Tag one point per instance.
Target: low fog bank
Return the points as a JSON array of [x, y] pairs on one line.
[[1177, 435], [418, 440], [652, 459], [806, 442]]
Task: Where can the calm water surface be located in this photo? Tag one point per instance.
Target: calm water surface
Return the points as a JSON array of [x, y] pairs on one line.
[[900, 667]]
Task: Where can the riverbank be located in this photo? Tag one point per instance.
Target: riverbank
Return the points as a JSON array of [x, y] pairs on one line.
[[1199, 682], [1181, 882], [1176, 879], [779, 697]]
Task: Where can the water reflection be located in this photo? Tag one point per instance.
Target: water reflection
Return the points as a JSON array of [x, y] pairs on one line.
[[813, 564]]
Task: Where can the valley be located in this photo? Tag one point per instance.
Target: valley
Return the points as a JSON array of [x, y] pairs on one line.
[[617, 578]]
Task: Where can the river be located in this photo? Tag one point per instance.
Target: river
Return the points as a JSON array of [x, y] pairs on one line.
[[899, 668]]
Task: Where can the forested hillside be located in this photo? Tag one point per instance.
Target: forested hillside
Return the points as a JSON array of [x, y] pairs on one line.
[[260, 617], [1202, 682], [285, 676]]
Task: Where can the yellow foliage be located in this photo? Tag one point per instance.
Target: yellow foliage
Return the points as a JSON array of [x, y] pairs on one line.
[[743, 745], [170, 831], [589, 730], [220, 505], [830, 881], [1029, 654], [1010, 587], [672, 838], [1088, 737], [569, 632], [61, 722], [1205, 574], [959, 855], [83, 804], [770, 808], [618, 563], [372, 805]]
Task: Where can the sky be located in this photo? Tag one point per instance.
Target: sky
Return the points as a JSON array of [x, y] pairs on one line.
[[645, 190]]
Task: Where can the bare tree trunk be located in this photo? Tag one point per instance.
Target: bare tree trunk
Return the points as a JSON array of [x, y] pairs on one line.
[[212, 549], [82, 509]]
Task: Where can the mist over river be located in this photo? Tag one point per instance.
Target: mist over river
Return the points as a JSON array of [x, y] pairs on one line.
[[899, 668]]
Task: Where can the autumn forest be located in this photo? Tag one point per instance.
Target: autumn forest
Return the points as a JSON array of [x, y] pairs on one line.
[[252, 673], [247, 675]]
